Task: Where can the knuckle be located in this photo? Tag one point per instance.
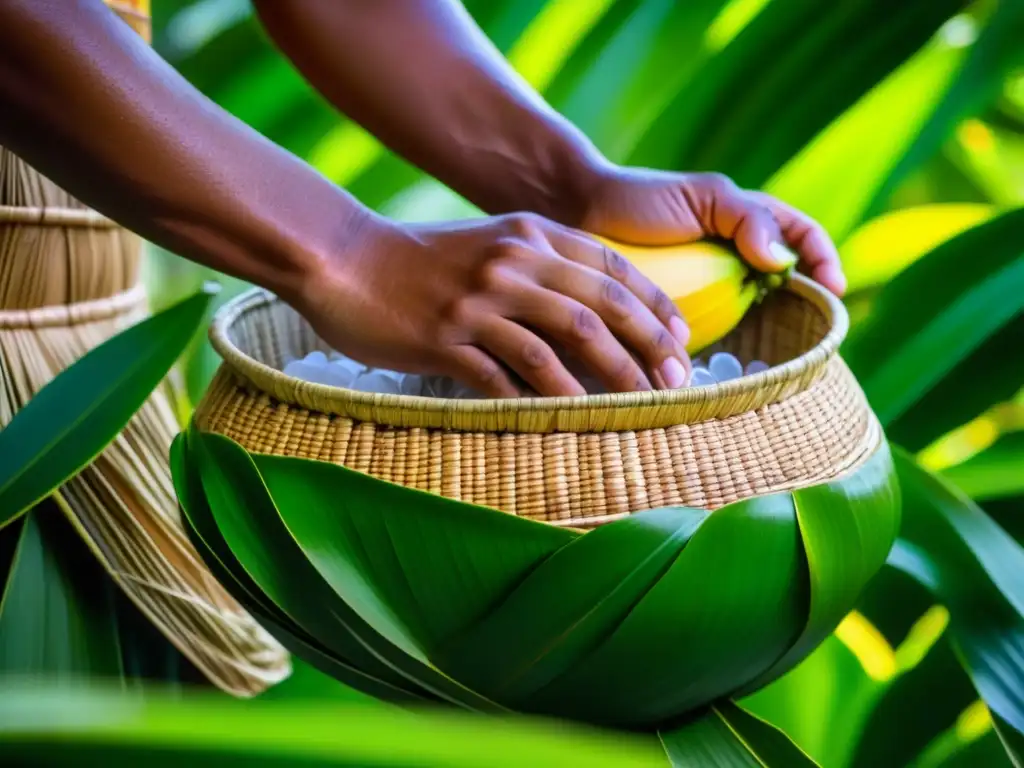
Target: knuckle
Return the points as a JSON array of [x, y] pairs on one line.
[[615, 294], [625, 372], [486, 371], [586, 324], [662, 344], [537, 355], [663, 306], [718, 182], [615, 263], [525, 224]]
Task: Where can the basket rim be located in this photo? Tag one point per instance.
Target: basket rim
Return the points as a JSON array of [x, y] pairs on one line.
[[667, 406]]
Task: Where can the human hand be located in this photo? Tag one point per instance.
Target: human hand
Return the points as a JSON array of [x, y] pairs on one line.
[[488, 301], [634, 205]]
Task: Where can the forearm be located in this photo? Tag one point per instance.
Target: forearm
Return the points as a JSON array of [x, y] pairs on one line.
[[92, 107], [422, 77]]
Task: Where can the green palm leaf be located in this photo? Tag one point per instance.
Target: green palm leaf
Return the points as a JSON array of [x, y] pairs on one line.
[[951, 547], [730, 737], [93, 726], [73, 418], [754, 105], [480, 608], [934, 315]]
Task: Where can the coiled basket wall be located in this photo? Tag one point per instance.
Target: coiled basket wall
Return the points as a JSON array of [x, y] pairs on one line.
[[621, 559]]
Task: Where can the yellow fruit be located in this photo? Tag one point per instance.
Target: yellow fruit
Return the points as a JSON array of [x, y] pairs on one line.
[[709, 283]]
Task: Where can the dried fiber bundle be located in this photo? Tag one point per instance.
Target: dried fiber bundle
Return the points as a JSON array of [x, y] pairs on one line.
[[69, 280]]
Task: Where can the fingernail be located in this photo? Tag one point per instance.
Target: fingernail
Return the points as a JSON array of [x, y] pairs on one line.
[[782, 255], [679, 329], [674, 373]]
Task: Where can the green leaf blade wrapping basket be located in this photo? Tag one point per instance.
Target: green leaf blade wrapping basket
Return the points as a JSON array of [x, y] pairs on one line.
[[624, 560]]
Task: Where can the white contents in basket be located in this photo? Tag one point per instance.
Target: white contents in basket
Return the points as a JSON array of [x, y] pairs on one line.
[[337, 370]]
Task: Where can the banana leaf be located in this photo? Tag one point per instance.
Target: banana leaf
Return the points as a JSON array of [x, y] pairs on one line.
[[754, 106], [991, 374], [914, 709], [883, 247], [993, 55], [53, 621], [997, 472], [93, 725], [423, 596], [820, 704], [72, 419], [969, 563], [934, 315]]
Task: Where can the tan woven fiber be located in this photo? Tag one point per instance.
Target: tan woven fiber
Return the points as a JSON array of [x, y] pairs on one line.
[[69, 280], [569, 461]]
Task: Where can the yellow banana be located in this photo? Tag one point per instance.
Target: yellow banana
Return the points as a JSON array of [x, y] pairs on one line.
[[709, 283]]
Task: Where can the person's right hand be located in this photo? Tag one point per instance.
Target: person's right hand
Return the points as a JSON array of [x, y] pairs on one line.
[[488, 301]]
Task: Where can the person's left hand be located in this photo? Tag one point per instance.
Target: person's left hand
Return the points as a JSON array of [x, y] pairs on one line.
[[645, 207]]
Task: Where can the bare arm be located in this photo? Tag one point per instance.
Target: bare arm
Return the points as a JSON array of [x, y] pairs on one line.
[[92, 107], [423, 78], [89, 104]]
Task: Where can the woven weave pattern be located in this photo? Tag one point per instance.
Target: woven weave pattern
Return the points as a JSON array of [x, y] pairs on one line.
[[69, 280], [569, 478], [576, 462]]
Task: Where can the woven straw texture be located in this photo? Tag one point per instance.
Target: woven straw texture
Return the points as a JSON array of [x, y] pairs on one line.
[[69, 280], [576, 462]]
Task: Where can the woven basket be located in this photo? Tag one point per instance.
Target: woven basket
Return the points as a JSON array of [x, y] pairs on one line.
[[579, 461]]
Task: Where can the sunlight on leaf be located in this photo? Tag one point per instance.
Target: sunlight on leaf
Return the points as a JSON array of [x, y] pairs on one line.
[[732, 19], [872, 650], [835, 177], [552, 37], [886, 245]]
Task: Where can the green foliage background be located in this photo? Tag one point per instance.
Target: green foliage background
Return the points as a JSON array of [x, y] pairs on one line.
[[901, 128], [861, 113]]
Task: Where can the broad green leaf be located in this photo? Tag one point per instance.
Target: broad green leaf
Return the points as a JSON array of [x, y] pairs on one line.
[[729, 737], [835, 176], [949, 545], [985, 752], [57, 616], [627, 70], [539, 632], [819, 704], [72, 419], [688, 641], [848, 527], [936, 313], [995, 53], [996, 472], [893, 602], [793, 69], [989, 375], [90, 726], [307, 683], [1011, 738], [916, 707], [246, 517], [883, 247], [411, 563], [337, 542]]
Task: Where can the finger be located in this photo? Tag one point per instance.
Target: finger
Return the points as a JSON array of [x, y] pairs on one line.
[[727, 211], [532, 359], [624, 318], [817, 252], [596, 255], [585, 337], [475, 368]]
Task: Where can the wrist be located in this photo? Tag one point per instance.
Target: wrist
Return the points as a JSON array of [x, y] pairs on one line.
[[547, 166], [333, 266]]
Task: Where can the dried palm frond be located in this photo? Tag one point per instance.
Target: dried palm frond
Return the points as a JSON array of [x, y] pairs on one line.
[[69, 280]]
